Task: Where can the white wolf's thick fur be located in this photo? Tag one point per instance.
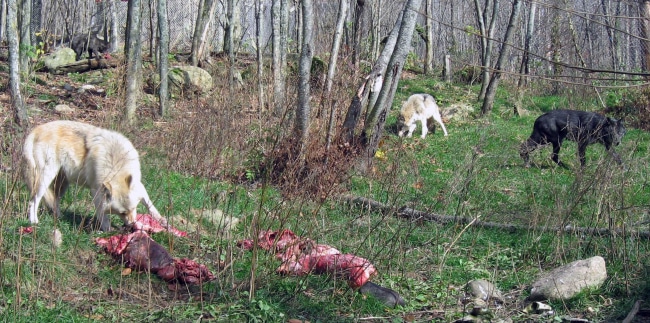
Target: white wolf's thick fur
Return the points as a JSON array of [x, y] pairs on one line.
[[62, 152], [419, 107]]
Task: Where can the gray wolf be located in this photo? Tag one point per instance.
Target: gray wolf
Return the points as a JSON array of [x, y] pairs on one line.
[[81, 43], [584, 128], [58, 153], [419, 107]]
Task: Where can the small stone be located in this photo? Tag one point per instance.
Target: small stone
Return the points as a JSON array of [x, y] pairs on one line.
[[57, 238], [63, 108]]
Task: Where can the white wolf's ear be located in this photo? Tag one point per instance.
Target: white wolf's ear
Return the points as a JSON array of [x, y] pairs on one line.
[[106, 190], [129, 179]]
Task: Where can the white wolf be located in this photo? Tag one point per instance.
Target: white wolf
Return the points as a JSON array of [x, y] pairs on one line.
[[419, 107], [61, 152]]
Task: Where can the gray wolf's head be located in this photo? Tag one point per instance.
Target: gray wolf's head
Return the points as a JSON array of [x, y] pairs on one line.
[[401, 125]]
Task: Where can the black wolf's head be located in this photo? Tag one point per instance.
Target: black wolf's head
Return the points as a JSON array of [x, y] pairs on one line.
[[614, 131]]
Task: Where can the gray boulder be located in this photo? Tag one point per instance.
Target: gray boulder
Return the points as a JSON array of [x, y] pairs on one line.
[[566, 281], [184, 78], [484, 290], [61, 56], [457, 112]]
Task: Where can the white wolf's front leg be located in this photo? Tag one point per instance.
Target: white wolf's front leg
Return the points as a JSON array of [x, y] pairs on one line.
[[144, 198], [425, 129], [412, 127]]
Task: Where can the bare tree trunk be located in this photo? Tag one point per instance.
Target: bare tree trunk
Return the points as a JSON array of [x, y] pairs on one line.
[[376, 118], [163, 60], [205, 14], [24, 24], [428, 65], [645, 33], [525, 59], [220, 34], [358, 21], [303, 112], [486, 28], [97, 18], [375, 26], [133, 60], [488, 103], [556, 49], [18, 105], [3, 19], [371, 86], [114, 39], [611, 37], [230, 42], [232, 20], [35, 22], [280, 14], [334, 54], [152, 32], [259, 29]]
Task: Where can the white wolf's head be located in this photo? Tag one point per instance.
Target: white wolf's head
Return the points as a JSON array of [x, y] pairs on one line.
[[121, 197]]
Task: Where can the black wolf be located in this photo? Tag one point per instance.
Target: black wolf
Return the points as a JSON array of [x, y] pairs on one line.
[[583, 127], [91, 43]]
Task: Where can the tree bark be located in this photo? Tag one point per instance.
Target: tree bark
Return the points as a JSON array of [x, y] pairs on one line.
[[3, 20], [525, 59], [230, 42], [203, 18], [375, 120], [334, 54], [428, 64], [18, 105], [416, 215], [24, 24], [259, 29], [232, 21], [487, 34], [163, 61], [303, 112], [133, 60], [280, 16], [35, 21], [369, 89], [494, 81], [84, 65], [375, 26], [114, 39], [645, 33], [358, 21]]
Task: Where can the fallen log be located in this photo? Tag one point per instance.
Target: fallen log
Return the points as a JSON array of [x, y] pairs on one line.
[[85, 65], [415, 215]]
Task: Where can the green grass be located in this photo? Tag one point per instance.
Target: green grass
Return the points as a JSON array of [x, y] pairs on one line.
[[474, 172]]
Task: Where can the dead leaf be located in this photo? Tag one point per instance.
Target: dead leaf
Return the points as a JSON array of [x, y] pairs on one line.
[[126, 271]]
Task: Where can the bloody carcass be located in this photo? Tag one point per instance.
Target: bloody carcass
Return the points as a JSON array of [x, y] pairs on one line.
[[301, 256], [138, 251], [145, 222]]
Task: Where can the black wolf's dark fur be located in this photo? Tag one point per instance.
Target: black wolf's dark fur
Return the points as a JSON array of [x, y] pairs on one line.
[[95, 46], [584, 128]]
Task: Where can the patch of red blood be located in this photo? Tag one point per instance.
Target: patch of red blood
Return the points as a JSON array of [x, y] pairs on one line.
[[301, 256]]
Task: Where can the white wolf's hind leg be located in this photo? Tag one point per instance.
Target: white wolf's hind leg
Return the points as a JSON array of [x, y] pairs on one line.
[[39, 188]]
